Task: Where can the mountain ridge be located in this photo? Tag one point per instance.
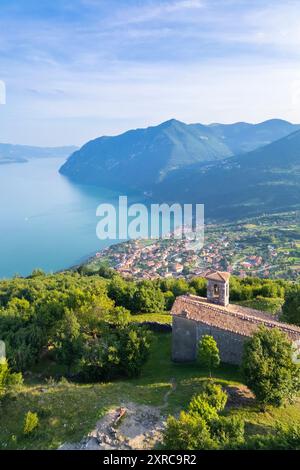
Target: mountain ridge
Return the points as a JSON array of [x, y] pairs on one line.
[[264, 180], [142, 157], [16, 153]]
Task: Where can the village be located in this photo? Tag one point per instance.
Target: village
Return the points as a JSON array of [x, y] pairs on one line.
[[265, 247]]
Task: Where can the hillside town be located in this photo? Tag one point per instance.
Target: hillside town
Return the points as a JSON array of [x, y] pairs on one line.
[[264, 247]]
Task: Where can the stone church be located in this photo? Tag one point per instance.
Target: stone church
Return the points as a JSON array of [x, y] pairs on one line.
[[230, 325]]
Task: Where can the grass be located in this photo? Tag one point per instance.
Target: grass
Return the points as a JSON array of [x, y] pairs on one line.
[[163, 317], [68, 411]]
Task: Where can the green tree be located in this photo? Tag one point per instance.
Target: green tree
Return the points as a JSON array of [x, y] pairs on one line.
[[291, 306], [208, 353], [147, 298], [268, 367], [68, 341]]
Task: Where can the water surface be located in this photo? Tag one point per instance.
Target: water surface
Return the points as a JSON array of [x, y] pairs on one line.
[[46, 221]]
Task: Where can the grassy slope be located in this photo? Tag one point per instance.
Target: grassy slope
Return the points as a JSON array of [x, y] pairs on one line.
[[68, 411], [162, 317]]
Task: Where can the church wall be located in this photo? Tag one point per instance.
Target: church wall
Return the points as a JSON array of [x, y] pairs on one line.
[[231, 345], [184, 339], [187, 333]]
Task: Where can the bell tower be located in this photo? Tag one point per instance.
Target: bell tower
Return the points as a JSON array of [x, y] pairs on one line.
[[218, 288]]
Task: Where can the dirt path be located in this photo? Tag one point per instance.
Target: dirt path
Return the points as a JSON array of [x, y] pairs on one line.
[[130, 426]]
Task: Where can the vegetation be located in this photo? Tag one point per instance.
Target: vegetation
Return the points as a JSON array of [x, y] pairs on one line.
[[79, 326], [202, 427], [208, 353], [269, 369], [291, 307], [285, 437], [71, 319], [8, 379], [61, 421], [31, 422]]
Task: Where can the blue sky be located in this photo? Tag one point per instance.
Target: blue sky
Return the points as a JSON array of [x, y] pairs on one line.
[[77, 69]]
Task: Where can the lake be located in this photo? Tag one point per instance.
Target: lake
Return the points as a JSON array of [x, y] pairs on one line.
[[46, 221]]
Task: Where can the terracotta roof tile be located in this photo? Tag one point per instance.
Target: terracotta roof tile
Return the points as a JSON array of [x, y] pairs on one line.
[[218, 276], [240, 320]]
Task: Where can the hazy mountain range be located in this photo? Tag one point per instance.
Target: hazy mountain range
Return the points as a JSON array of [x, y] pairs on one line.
[[21, 153], [142, 158], [262, 181], [236, 170]]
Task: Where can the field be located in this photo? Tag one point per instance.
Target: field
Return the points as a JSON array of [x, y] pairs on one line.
[[68, 411]]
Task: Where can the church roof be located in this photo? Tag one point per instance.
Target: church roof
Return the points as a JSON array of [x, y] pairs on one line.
[[218, 276], [234, 318]]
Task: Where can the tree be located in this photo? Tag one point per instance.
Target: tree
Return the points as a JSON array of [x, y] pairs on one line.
[[208, 353], [291, 306], [147, 298], [68, 341], [268, 367]]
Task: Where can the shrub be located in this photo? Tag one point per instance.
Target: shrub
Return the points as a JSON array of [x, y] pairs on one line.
[[202, 427], [215, 395], [189, 432], [31, 422], [228, 431], [199, 406], [8, 379], [268, 367], [284, 438]]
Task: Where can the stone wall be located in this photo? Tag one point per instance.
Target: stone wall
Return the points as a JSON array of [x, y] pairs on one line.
[[187, 333], [231, 345], [184, 339], [223, 288]]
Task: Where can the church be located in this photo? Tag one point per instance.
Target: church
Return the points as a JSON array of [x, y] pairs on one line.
[[229, 324]]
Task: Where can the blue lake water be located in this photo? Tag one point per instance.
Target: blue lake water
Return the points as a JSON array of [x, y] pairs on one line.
[[46, 221]]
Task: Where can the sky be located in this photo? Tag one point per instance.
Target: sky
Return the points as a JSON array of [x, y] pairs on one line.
[[77, 69]]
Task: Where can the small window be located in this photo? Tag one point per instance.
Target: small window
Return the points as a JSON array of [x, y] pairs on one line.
[[216, 290]]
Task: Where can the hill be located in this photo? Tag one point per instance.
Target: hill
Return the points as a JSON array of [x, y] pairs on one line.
[[10, 153], [139, 158], [243, 137], [261, 181]]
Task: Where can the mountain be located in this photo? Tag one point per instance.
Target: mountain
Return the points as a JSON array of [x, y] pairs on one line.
[[21, 153], [244, 137], [262, 181], [140, 158]]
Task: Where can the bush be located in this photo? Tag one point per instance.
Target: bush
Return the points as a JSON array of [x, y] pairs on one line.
[[268, 367], [8, 379], [228, 431], [215, 395], [202, 427], [31, 422], [117, 353], [200, 407], [284, 438], [189, 432]]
